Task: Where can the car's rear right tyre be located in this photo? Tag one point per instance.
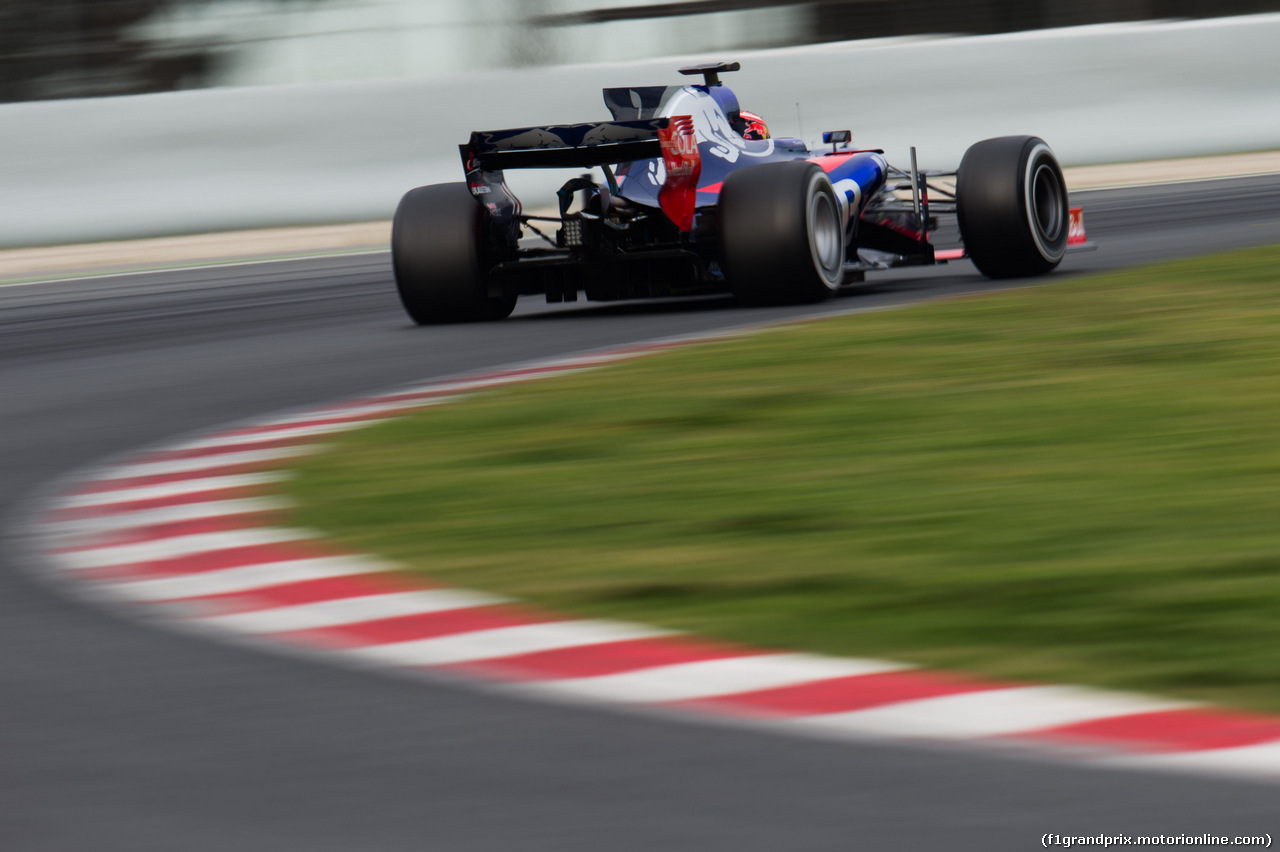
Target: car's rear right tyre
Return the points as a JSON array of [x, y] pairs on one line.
[[1011, 204], [782, 238], [442, 250]]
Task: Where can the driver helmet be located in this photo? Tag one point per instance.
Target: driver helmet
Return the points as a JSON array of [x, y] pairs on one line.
[[751, 126]]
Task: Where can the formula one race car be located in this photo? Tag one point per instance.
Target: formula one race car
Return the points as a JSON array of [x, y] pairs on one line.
[[697, 197]]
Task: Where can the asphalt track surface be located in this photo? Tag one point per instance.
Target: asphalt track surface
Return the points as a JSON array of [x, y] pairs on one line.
[[118, 735]]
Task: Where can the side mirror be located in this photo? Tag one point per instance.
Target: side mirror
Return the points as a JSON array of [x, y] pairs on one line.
[[835, 138]]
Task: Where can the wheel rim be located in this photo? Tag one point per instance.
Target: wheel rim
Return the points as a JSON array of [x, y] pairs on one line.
[[1046, 200], [1046, 204], [826, 242]]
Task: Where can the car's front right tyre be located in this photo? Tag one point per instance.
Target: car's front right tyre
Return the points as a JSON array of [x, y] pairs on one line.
[[1011, 204]]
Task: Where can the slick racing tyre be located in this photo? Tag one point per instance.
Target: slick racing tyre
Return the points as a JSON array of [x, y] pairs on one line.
[[1011, 202], [782, 239], [441, 252]]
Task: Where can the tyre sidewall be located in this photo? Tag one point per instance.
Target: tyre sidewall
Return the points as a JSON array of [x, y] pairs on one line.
[[825, 234], [782, 238], [1044, 201]]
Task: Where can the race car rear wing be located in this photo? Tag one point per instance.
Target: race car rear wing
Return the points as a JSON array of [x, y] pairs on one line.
[[602, 144], [565, 145]]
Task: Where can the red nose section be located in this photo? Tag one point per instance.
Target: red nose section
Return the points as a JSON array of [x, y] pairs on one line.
[[679, 193]]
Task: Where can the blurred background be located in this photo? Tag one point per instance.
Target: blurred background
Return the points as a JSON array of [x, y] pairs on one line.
[[52, 49], [267, 113]]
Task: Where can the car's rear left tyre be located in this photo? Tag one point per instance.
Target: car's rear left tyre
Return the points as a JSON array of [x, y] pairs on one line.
[[442, 249], [1011, 203], [782, 238]]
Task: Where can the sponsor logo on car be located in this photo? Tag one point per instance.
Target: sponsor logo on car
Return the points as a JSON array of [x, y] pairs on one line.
[[712, 126], [1075, 230]]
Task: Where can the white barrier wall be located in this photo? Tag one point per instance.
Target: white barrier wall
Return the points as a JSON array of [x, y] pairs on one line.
[[225, 159]]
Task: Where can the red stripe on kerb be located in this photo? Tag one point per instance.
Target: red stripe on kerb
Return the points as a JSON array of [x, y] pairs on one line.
[[840, 695], [213, 560], [307, 592], [407, 628], [1170, 731], [173, 529], [99, 485], [604, 659]]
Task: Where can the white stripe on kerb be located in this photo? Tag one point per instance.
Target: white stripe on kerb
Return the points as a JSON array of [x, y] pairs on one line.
[[139, 493], [120, 521], [1261, 760], [355, 610], [356, 412], [176, 546], [246, 578], [469, 385], [711, 678], [197, 463], [264, 436], [502, 642], [990, 713]]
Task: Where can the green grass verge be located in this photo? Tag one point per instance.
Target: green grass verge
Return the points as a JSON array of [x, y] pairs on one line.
[[1078, 482]]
